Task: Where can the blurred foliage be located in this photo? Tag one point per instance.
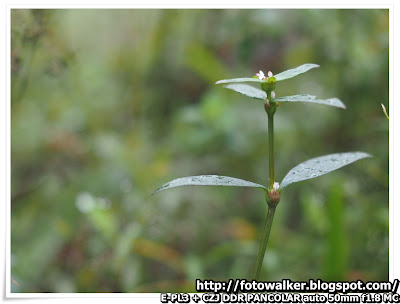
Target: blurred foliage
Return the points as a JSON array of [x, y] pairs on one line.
[[107, 105]]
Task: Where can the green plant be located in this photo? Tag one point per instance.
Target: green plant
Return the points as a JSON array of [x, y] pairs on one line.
[[309, 169], [384, 111]]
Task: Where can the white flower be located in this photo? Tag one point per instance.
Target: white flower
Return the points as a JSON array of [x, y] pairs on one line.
[[275, 187], [260, 75], [273, 95]]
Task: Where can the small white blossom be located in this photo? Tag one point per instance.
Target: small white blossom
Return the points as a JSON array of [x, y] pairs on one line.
[[260, 75], [275, 187], [273, 95]]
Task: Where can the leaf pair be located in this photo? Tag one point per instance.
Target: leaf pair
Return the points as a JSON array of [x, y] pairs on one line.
[[237, 85], [279, 77], [309, 169]]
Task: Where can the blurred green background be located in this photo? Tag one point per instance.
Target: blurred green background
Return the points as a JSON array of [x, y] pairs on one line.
[[107, 105]]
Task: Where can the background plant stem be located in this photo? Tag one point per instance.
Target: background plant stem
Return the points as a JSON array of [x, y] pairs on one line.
[[264, 240]]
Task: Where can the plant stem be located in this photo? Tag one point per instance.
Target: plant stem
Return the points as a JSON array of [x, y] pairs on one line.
[[272, 199], [271, 149], [264, 240]]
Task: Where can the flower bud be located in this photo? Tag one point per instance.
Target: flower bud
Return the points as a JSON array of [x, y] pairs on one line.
[[269, 85], [266, 104], [274, 193]]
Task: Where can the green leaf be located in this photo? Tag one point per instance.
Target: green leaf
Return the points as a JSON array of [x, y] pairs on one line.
[[334, 102], [296, 71], [247, 90], [208, 180], [239, 80], [321, 165]]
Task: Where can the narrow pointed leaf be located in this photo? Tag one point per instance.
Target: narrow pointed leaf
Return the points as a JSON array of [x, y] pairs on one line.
[[208, 180], [321, 165], [334, 102], [247, 90], [296, 71], [239, 80]]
